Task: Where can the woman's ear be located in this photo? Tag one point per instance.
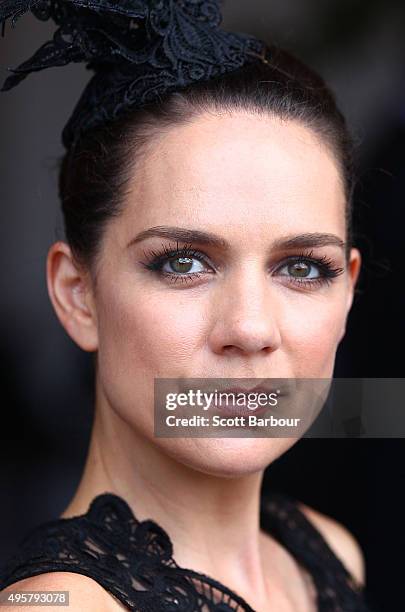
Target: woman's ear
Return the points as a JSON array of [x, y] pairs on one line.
[[71, 292], [353, 267]]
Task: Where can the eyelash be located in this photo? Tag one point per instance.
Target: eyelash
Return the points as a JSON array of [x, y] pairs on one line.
[[156, 260]]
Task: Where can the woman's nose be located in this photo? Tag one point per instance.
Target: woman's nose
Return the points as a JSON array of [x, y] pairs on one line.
[[245, 317]]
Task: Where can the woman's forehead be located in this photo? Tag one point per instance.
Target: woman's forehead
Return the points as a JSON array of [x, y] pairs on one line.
[[237, 169]]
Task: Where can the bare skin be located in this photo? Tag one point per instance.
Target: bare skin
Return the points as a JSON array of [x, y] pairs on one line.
[[253, 181]]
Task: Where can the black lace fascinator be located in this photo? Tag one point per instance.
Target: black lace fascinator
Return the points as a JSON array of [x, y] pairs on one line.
[[138, 49]]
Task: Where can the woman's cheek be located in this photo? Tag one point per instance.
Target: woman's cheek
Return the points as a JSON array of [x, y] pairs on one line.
[[311, 334], [145, 337], [153, 334]]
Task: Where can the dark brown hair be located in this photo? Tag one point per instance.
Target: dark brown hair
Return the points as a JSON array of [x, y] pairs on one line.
[[95, 175]]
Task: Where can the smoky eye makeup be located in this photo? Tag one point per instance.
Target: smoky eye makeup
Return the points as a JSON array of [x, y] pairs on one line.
[[187, 264], [178, 264]]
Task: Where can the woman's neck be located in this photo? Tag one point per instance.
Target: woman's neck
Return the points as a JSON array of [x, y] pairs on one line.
[[213, 522]]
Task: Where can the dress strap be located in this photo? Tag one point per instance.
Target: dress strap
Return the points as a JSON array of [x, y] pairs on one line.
[[337, 590]]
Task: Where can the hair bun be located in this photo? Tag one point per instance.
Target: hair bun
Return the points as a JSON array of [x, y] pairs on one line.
[[139, 50]]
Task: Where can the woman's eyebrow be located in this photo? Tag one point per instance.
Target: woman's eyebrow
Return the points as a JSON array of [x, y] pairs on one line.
[[181, 234], [309, 240]]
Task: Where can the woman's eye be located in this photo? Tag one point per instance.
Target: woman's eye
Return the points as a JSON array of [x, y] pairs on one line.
[[183, 265], [189, 265], [300, 269]]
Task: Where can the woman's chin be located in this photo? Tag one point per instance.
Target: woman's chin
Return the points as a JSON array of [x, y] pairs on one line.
[[227, 457]]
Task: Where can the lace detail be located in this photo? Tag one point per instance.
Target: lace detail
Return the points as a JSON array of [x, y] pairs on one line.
[[133, 560], [139, 50]]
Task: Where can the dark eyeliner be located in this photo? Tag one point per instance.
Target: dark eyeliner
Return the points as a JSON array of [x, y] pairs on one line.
[[156, 259], [324, 264]]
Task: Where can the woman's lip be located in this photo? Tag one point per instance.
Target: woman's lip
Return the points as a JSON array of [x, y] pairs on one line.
[[244, 410], [256, 391], [235, 410]]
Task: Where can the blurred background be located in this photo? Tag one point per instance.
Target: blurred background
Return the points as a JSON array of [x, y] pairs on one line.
[[359, 47]]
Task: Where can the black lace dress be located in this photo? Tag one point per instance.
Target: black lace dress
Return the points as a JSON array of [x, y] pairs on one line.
[[133, 560]]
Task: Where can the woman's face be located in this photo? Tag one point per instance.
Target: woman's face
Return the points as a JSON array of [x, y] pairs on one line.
[[267, 297]]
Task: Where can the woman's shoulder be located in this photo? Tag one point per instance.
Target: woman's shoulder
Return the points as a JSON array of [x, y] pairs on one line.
[[340, 540], [84, 592]]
